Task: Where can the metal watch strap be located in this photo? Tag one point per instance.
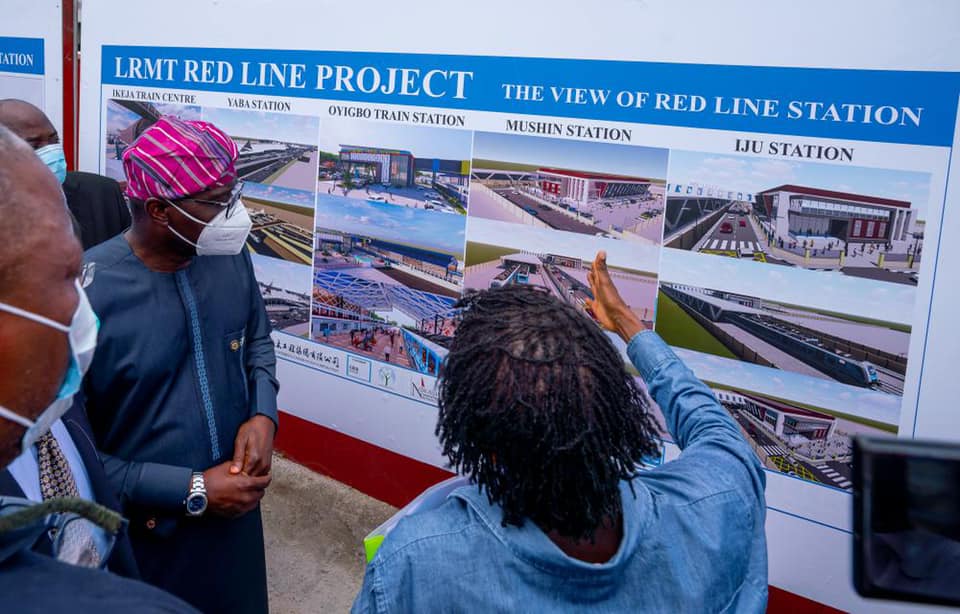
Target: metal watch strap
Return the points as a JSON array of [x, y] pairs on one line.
[[197, 483], [198, 488]]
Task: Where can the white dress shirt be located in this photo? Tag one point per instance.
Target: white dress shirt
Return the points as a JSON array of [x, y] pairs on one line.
[[25, 469]]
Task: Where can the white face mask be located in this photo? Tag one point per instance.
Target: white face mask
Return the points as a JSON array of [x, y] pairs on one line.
[[83, 342], [221, 236]]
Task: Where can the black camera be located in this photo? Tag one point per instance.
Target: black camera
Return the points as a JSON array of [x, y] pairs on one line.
[[906, 497]]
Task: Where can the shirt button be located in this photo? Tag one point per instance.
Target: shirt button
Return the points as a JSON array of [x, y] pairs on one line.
[[152, 523], [234, 345]]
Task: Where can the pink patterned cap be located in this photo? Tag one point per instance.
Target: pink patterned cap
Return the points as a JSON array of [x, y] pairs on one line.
[[175, 158]]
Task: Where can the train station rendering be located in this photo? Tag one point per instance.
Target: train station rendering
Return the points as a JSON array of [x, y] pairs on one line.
[[581, 189], [855, 218], [586, 203], [397, 177], [387, 166], [584, 188], [864, 222], [802, 442], [865, 354], [384, 299], [364, 310]]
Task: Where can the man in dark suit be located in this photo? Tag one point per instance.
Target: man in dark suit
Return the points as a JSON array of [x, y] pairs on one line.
[[96, 202], [98, 205], [47, 338]]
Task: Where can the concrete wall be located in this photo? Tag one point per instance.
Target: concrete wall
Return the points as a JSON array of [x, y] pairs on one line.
[[522, 216], [742, 351], [689, 237]]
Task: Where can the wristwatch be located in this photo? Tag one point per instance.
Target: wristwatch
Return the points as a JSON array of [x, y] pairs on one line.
[[196, 502]]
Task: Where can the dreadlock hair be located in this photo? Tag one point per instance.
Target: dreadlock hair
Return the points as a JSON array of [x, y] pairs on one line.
[[537, 408]]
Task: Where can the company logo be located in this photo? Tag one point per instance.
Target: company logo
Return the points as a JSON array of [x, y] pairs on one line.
[[358, 368], [387, 378], [423, 391], [304, 354]]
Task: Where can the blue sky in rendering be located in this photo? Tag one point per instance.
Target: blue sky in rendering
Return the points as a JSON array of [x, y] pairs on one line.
[[646, 162], [185, 112], [119, 117], [747, 174], [290, 196], [627, 254], [426, 229], [298, 129], [827, 290], [815, 391], [421, 141], [282, 273]]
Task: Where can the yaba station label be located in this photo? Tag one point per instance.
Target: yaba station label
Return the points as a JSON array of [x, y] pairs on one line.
[[21, 55], [887, 106]]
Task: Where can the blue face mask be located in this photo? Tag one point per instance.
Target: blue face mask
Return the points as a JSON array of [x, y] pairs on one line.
[[82, 333], [52, 156]]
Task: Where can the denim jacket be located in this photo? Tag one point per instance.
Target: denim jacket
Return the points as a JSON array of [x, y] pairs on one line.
[[693, 536]]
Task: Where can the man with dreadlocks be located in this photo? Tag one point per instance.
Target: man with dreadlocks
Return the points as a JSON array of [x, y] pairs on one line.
[[538, 411]]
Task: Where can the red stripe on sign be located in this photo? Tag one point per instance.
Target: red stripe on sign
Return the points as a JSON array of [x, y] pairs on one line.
[[372, 470], [71, 76], [398, 479], [784, 602]]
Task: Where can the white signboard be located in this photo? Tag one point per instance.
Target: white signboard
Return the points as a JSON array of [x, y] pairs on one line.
[[773, 189], [31, 45]]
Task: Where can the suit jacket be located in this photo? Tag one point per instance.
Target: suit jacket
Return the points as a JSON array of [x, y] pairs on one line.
[[97, 205], [121, 560], [32, 583]]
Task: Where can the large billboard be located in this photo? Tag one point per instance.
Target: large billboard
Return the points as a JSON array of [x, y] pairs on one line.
[[781, 226]]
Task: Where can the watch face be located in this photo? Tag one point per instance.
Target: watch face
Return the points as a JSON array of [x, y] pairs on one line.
[[196, 504]]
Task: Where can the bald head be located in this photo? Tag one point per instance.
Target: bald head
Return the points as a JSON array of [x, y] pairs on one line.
[[28, 122], [40, 260], [32, 207]]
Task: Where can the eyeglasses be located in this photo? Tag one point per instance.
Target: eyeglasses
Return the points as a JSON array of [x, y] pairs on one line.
[[230, 204]]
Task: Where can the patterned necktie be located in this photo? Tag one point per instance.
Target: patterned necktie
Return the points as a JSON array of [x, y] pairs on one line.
[[56, 480]]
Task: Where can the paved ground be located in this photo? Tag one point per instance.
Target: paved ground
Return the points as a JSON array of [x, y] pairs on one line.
[[378, 351], [905, 277], [778, 357], [512, 198], [483, 204], [414, 197], [298, 174], [878, 337], [314, 528], [643, 218], [742, 237]]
